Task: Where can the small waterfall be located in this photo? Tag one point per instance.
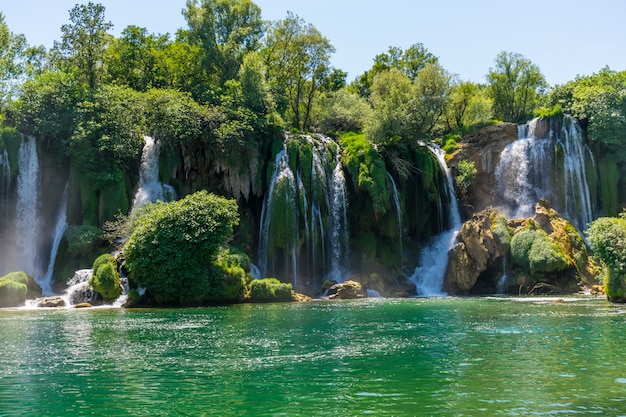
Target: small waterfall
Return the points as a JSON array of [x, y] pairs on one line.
[[396, 202], [5, 185], [303, 233], [59, 231], [501, 286], [78, 289], [429, 275], [150, 188], [547, 161], [27, 222], [338, 224]]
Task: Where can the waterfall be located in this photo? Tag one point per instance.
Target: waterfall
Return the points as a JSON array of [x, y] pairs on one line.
[[547, 161], [150, 188], [303, 233], [501, 286], [27, 222], [396, 202], [429, 275], [59, 230], [5, 184]]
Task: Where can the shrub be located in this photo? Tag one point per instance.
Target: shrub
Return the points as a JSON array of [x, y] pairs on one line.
[[607, 238], [269, 290], [105, 279], [13, 287], [173, 246], [465, 175]]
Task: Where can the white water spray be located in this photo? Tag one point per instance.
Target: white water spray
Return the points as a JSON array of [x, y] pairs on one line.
[[429, 275], [59, 230], [27, 222], [150, 188]]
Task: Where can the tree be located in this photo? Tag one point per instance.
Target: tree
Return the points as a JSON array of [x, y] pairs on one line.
[[132, 60], [598, 101], [84, 41], [298, 60], [226, 30], [607, 238], [12, 53], [173, 246], [515, 84]]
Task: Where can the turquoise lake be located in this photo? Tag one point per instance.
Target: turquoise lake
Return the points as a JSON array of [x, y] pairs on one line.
[[395, 357]]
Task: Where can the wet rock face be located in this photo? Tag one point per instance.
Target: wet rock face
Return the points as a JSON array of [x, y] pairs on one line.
[[483, 148], [54, 301]]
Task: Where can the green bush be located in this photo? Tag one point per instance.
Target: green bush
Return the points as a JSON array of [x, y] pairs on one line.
[[173, 246], [13, 287], [269, 290], [105, 279], [533, 250], [607, 238]]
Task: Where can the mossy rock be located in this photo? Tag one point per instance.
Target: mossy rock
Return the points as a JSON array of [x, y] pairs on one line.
[[269, 290], [13, 288]]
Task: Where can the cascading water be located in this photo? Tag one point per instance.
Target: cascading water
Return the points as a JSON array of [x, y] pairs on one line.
[[27, 222], [396, 202], [547, 161], [150, 188], [429, 275], [303, 234], [5, 184], [59, 230]]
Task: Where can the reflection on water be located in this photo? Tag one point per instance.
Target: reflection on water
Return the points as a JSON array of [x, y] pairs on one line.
[[445, 357]]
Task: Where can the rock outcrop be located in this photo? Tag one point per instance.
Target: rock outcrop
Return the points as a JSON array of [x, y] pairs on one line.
[[483, 148], [347, 291], [544, 251]]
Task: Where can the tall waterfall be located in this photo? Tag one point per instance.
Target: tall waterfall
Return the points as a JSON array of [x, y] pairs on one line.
[[547, 161], [396, 202], [303, 235], [27, 224], [429, 275], [5, 184], [150, 188], [59, 230]]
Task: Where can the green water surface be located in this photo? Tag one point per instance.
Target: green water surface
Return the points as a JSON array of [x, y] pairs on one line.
[[423, 357]]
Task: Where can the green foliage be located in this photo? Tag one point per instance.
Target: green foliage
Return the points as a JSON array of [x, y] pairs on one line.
[[533, 250], [607, 239], [297, 58], [450, 145], [465, 174], [343, 111], [174, 118], [514, 84], [269, 290], [173, 246], [13, 288], [12, 65], [609, 174], [83, 239], [47, 109], [108, 136], [105, 279], [367, 170], [83, 43], [548, 112]]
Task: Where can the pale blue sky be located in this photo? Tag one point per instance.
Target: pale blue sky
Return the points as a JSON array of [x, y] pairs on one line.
[[564, 38]]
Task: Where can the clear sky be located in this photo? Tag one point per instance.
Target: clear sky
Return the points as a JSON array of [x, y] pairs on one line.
[[564, 38]]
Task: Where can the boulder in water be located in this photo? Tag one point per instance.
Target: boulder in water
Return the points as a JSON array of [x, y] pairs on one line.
[[54, 301], [346, 291]]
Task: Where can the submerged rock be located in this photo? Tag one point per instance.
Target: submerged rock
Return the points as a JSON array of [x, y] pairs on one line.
[[348, 290], [54, 301]]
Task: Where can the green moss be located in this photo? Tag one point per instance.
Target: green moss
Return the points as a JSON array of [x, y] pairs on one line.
[[292, 145], [269, 290], [12, 141], [500, 229], [105, 279], [283, 215], [89, 202], [533, 250], [83, 240], [13, 289], [609, 180], [113, 199]]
